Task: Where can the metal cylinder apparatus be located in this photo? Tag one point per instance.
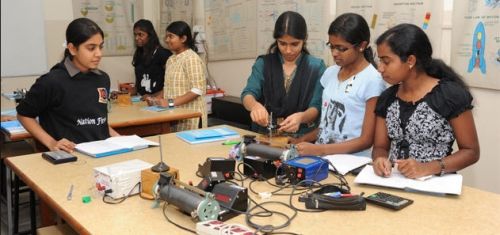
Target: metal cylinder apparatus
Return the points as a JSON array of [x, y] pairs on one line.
[[203, 208], [268, 152]]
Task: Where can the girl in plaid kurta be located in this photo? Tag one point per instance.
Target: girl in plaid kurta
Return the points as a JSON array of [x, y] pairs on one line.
[[185, 81]]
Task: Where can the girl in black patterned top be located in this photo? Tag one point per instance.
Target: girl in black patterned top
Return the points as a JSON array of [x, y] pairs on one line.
[[419, 118], [149, 60]]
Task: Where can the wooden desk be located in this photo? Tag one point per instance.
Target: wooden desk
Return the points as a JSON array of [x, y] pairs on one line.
[[473, 212], [128, 120]]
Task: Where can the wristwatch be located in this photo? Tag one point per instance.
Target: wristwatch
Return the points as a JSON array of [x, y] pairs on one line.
[[442, 166], [171, 103]]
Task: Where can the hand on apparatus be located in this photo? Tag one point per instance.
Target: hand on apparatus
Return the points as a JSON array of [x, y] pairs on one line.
[[259, 114], [292, 123], [306, 148]]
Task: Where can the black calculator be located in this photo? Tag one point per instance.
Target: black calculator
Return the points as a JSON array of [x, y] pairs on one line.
[[388, 200]]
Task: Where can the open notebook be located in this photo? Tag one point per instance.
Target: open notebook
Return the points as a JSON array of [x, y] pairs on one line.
[[114, 145], [446, 184]]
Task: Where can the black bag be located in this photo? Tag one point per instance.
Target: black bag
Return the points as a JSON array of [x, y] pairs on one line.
[[319, 200]]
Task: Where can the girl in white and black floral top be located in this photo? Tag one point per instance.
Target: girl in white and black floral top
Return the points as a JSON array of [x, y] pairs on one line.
[[427, 109]]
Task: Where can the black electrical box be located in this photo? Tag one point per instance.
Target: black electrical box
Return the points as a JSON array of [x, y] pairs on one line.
[[257, 166]]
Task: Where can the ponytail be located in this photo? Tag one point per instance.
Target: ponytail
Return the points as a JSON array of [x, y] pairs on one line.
[[66, 54], [368, 54], [440, 70], [192, 44]]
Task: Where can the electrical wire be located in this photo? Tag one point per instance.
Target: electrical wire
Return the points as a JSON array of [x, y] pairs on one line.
[[117, 201], [172, 222], [267, 213]]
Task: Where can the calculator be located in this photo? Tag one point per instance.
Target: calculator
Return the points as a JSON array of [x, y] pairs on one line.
[[388, 200]]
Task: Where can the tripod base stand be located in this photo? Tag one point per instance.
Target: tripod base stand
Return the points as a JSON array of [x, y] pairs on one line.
[[160, 167]]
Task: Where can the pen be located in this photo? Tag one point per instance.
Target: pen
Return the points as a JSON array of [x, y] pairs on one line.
[[70, 193]]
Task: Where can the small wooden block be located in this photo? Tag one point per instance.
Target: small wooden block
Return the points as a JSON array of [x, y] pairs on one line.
[[149, 178]]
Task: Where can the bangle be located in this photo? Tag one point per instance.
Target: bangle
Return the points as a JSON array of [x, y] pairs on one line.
[[442, 166]]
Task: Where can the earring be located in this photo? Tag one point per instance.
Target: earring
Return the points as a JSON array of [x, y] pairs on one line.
[[411, 66]]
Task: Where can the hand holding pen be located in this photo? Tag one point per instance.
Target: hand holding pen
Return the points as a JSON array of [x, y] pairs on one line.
[[382, 166]]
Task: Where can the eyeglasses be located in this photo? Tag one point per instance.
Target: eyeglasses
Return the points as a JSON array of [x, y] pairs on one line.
[[340, 49]]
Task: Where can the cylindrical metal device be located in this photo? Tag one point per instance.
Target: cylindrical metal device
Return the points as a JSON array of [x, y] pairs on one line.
[[185, 200], [268, 152], [191, 203], [263, 151]]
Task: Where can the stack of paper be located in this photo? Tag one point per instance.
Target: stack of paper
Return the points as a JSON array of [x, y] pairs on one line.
[[12, 127], [446, 184], [114, 145], [346, 162], [207, 135]]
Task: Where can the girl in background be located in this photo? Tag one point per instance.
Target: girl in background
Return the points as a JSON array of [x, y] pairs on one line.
[[70, 101], [185, 81], [426, 109], [149, 60], [351, 89]]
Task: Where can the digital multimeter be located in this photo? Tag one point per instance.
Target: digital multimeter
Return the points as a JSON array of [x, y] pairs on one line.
[[306, 168]]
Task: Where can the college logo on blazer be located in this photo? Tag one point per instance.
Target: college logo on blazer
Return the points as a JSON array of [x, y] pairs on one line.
[[103, 95]]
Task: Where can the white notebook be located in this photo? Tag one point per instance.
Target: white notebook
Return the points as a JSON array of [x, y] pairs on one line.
[[114, 145], [446, 184], [346, 162]]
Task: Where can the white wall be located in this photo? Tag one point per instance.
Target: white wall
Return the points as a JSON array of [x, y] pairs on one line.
[[231, 76]]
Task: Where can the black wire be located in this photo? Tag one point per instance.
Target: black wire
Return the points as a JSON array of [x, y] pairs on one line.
[[269, 228], [283, 187], [340, 177], [242, 178], [165, 210], [172, 222], [118, 201], [257, 174]]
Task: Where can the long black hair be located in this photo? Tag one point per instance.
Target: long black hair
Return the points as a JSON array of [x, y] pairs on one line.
[[146, 52], [293, 24], [408, 39], [78, 32], [353, 29], [181, 28]]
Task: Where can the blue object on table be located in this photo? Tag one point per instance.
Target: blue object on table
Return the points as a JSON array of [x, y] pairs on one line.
[[155, 108], [136, 98], [12, 127]]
